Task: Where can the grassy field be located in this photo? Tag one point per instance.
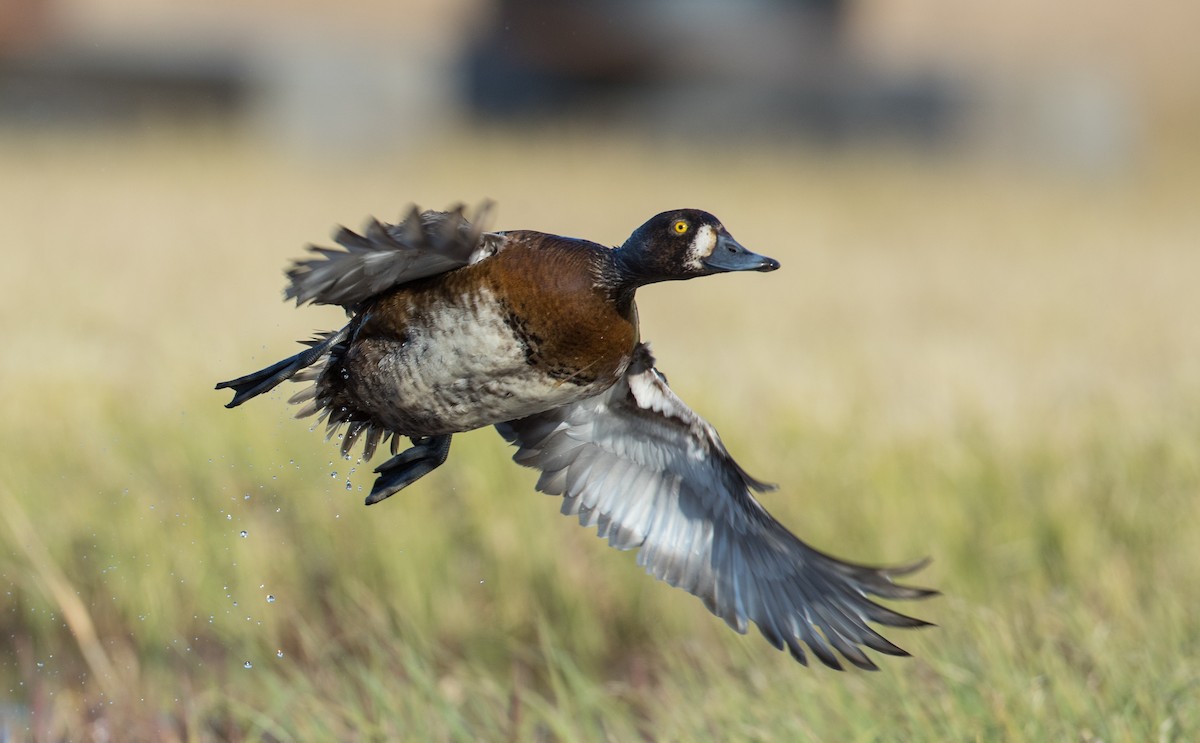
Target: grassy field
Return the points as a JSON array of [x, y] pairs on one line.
[[994, 368]]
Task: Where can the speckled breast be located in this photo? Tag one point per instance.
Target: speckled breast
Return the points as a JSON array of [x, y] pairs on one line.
[[466, 362]]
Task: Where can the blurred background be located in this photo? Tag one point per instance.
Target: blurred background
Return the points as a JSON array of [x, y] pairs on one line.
[[983, 347], [1082, 84]]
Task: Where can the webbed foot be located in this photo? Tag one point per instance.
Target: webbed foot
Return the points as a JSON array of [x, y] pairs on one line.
[[427, 454]]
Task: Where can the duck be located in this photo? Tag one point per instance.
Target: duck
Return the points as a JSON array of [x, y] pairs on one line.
[[453, 328]]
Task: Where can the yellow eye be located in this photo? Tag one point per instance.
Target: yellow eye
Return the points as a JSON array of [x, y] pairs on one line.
[[680, 227]]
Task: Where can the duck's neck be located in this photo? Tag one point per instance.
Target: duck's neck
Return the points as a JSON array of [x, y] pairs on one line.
[[625, 271], [635, 266]]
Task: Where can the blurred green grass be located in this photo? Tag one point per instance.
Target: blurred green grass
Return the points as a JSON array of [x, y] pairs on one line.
[[995, 368]]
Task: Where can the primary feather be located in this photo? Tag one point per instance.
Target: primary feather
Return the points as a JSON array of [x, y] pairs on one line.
[[651, 475]]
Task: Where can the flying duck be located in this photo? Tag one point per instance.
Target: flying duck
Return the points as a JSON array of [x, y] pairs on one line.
[[453, 328]]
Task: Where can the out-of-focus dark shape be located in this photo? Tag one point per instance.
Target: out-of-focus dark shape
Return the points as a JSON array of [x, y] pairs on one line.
[[699, 68], [51, 74], [1067, 84], [84, 87]]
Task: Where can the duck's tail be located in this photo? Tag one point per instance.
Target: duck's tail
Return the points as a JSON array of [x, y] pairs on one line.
[[264, 380]]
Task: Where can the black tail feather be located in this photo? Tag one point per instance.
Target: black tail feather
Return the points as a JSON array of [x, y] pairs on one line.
[[264, 380]]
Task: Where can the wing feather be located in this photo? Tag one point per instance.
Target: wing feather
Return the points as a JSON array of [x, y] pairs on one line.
[[422, 244], [640, 465]]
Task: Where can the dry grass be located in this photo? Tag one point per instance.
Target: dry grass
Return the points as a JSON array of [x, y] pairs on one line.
[[996, 369]]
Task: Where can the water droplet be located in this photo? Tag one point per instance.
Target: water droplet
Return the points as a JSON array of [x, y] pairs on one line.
[[229, 517], [278, 653], [270, 598], [247, 664], [333, 474], [246, 496], [40, 664], [243, 533], [349, 485]]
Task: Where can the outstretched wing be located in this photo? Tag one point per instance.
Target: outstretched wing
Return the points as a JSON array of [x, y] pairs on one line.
[[651, 474], [386, 255]]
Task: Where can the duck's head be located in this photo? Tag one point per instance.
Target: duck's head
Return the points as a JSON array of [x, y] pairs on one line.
[[683, 244]]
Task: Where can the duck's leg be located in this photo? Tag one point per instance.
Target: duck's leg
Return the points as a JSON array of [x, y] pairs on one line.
[[426, 455], [267, 379]]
